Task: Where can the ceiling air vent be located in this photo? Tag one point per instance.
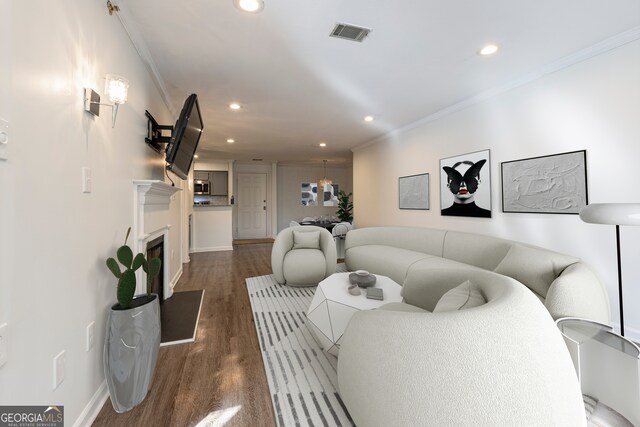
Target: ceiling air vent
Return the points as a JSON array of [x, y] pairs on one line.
[[350, 32]]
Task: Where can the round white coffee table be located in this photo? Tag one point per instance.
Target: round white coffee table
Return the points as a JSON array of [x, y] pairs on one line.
[[332, 307]]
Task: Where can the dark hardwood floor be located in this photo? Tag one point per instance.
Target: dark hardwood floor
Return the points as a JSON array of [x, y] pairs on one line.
[[222, 371]]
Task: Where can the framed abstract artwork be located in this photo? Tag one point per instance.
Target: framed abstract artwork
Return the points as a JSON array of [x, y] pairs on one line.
[[309, 194], [465, 185], [556, 183], [413, 191]]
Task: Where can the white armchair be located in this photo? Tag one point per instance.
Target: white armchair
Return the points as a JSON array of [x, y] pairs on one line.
[[503, 363], [303, 256]]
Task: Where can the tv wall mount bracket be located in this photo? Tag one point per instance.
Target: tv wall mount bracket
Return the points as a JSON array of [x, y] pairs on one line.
[[155, 137]]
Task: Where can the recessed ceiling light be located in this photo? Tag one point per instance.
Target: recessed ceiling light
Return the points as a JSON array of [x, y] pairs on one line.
[[489, 49], [252, 6], [195, 156], [368, 119], [235, 106], [231, 141], [323, 144]]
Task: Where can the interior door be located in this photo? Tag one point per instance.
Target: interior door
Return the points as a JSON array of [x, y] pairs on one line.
[[252, 205]]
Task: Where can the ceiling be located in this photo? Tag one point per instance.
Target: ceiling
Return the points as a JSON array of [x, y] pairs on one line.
[[299, 87]]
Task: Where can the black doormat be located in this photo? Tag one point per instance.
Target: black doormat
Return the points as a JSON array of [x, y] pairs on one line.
[[179, 317]]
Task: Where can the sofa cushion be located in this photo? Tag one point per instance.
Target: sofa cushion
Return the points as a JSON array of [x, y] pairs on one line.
[[306, 239], [427, 264], [475, 249], [426, 240], [380, 259], [534, 267], [466, 295]]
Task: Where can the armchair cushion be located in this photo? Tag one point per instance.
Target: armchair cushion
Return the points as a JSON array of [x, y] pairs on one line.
[[466, 295], [304, 267], [306, 240]]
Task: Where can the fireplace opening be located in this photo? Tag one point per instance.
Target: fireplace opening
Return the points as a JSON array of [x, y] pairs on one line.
[[155, 249]]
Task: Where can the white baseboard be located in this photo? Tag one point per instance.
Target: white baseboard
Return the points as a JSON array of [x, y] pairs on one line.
[[174, 282], [212, 249], [91, 411], [175, 279]]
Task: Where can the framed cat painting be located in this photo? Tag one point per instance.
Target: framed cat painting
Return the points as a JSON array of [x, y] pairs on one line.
[[465, 185]]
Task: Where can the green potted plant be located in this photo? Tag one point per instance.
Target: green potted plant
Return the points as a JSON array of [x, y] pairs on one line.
[[345, 206], [133, 334]]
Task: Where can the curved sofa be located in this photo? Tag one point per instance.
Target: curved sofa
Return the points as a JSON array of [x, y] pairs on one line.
[[566, 286], [502, 363]]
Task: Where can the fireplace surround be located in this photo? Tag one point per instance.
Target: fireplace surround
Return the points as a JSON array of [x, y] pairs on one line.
[[151, 220]]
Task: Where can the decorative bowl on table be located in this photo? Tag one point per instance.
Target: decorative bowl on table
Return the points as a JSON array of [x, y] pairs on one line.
[[362, 278]]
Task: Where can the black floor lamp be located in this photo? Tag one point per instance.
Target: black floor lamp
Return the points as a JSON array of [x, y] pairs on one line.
[[614, 214]]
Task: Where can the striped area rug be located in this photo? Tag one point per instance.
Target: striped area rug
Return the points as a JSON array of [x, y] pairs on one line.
[[302, 377]]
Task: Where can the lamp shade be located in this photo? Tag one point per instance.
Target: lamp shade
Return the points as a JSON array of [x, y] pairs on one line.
[[611, 213], [116, 89]]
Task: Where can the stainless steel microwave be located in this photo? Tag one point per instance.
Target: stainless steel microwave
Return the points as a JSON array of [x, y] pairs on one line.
[[201, 187]]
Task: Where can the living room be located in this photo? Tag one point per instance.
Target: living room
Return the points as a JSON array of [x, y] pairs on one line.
[[54, 285]]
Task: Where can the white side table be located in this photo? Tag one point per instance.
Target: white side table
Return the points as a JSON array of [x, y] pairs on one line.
[[332, 307], [607, 364]]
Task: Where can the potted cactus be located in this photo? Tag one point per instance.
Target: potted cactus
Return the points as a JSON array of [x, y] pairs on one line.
[[133, 331]]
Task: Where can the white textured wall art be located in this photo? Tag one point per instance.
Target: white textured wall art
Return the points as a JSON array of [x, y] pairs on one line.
[[548, 184], [414, 191]]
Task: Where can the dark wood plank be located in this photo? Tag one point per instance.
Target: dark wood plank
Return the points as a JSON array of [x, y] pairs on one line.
[[223, 369]]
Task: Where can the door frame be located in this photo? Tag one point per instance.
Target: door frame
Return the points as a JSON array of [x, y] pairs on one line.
[[270, 170]]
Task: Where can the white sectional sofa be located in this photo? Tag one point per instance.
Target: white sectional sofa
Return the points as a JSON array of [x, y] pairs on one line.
[[499, 362], [566, 286]]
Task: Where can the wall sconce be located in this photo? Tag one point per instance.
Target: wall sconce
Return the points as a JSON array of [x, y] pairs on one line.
[[116, 89]]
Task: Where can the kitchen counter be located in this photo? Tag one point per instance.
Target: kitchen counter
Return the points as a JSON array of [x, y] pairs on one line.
[[212, 228]]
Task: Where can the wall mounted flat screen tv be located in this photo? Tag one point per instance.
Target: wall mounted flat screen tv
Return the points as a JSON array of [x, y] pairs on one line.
[[184, 138]]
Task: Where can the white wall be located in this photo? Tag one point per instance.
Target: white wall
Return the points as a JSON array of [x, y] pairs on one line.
[[54, 239], [290, 177], [592, 105], [206, 165]]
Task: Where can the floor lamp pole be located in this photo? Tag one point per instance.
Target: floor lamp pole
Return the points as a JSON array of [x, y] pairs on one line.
[[620, 280]]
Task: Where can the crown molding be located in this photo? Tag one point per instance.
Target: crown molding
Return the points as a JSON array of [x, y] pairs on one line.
[[565, 62], [131, 28]]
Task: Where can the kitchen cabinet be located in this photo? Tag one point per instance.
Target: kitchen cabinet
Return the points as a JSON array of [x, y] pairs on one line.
[[219, 183], [201, 175]]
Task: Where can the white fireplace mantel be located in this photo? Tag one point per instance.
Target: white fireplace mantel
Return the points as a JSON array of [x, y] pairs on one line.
[[151, 219], [154, 192]]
